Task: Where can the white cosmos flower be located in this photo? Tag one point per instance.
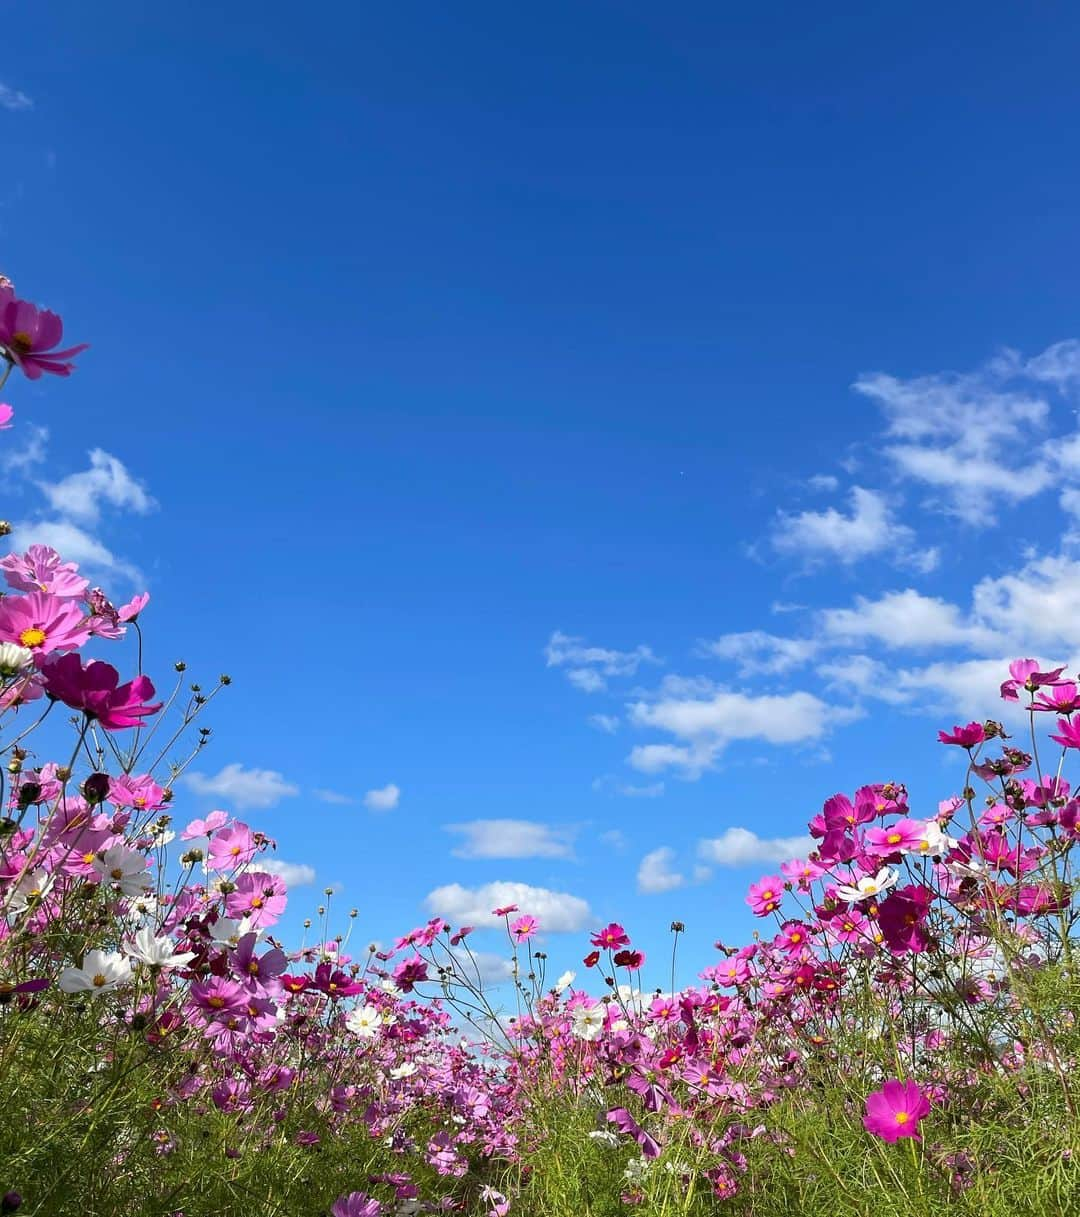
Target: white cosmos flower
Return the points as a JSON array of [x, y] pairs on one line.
[[31, 886], [100, 972], [405, 1070], [935, 842], [869, 885], [565, 981], [588, 1022], [227, 931], [364, 1022], [14, 659], [124, 867], [158, 952], [604, 1136]]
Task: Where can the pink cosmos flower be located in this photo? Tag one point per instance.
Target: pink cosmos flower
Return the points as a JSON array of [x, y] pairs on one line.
[[895, 1110], [764, 896], [29, 334], [219, 997], [131, 610], [40, 569], [902, 917], [611, 937], [1062, 698], [96, 691], [232, 847], [801, 871], [142, 792], [525, 927], [964, 737], [204, 828], [505, 910], [42, 622], [258, 896], [6, 415]]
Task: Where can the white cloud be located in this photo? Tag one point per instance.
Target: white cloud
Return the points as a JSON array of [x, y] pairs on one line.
[[14, 99], [608, 723], [655, 758], [741, 847], [589, 667], [333, 797], [1058, 365], [557, 912], [80, 495], [243, 787], [295, 874], [757, 652], [1036, 606], [951, 433], [824, 481], [31, 452], [869, 529], [513, 839], [906, 619], [384, 799], [655, 874], [609, 784]]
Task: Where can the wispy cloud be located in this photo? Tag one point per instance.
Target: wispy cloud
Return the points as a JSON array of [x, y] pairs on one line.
[[79, 496], [14, 99], [587, 667], [334, 797]]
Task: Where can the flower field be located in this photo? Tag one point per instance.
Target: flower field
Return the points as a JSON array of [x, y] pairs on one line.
[[900, 1036]]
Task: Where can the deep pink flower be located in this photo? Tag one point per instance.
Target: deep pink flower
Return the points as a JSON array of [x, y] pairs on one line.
[[895, 1110], [1070, 734], [335, 983], [902, 917], [29, 334], [764, 896], [219, 997], [1025, 674], [964, 737], [460, 935], [505, 910], [903, 835], [40, 569], [6, 415], [611, 937], [409, 973], [42, 622], [96, 691]]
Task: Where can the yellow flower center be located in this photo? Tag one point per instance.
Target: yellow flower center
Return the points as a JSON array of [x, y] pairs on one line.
[[33, 637], [256, 902], [215, 1002], [99, 981], [22, 342], [89, 857], [117, 873], [767, 895], [902, 1117], [893, 838], [253, 967]]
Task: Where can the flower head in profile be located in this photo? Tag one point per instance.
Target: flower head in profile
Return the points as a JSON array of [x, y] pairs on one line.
[[895, 1110], [868, 886], [157, 952], [41, 569], [30, 335], [96, 690], [356, 1204]]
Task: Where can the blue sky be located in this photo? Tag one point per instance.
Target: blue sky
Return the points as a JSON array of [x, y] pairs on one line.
[[488, 392]]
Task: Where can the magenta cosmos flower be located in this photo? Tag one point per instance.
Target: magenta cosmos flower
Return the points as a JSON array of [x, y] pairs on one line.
[[29, 336], [611, 937], [764, 896], [96, 691], [42, 622], [524, 927], [895, 1110], [356, 1204]]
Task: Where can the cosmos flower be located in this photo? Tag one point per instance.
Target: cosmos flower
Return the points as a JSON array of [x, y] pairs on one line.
[[895, 1110], [101, 972]]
